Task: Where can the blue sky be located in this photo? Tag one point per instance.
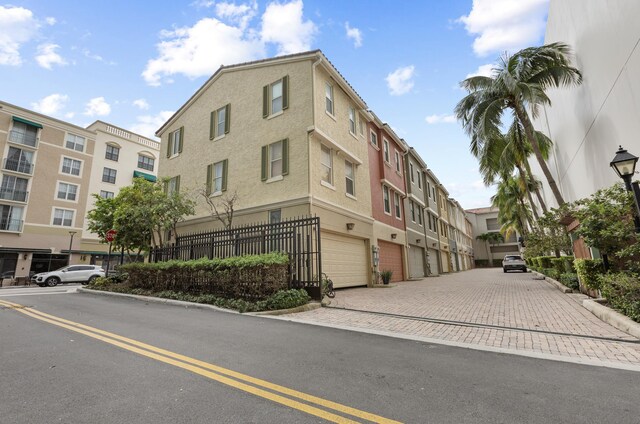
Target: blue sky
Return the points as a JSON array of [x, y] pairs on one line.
[[134, 63]]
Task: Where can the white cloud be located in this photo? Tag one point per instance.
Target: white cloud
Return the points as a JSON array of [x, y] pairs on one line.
[[239, 14], [17, 26], [284, 25], [199, 50], [97, 107], [400, 81], [141, 104], [50, 20], [509, 25], [47, 56], [355, 34], [440, 119], [228, 39], [51, 105], [483, 70], [147, 125]]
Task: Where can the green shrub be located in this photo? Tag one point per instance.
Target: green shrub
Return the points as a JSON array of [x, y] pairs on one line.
[[545, 261], [588, 271], [284, 299], [558, 264], [551, 273], [537, 263], [622, 291], [568, 264], [570, 280]]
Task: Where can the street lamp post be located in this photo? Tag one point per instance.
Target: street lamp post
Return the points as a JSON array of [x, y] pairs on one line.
[[624, 163], [71, 233]]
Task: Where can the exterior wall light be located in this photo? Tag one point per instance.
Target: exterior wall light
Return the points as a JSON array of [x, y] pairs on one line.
[[624, 163], [350, 226], [393, 236]]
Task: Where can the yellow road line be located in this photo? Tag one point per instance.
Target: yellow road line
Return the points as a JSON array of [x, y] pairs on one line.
[[187, 362]]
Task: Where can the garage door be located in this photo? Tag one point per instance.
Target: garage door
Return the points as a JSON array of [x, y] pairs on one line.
[[416, 261], [391, 259], [445, 261], [344, 260], [433, 261]]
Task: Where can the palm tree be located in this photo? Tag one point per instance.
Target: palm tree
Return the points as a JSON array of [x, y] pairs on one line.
[[490, 238], [518, 83], [515, 214]]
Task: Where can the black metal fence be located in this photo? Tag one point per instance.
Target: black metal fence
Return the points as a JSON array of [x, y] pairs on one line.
[[299, 238]]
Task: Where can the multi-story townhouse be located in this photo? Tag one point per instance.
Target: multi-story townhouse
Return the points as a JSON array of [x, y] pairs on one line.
[[119, 156], [415, 205], [45, 181], [288, 136], [443, 230], [432, 214], [468, 242], [485, 220], [386, 170]]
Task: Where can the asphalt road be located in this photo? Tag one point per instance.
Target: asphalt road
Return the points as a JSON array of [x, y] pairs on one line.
[[50, 374]]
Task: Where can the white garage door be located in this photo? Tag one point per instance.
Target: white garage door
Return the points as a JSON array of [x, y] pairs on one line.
[[416, 261], [344, 260], [433, 262]]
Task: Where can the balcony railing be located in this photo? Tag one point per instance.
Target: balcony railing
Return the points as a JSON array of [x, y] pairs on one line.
[[11, 225], [15, 195], [26, 139], [18, 165]]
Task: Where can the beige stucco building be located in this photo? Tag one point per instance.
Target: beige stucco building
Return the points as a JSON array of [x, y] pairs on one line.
[[49, 170], [485, 220]]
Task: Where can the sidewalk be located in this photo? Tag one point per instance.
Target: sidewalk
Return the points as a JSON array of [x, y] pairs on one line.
[[484, 308]]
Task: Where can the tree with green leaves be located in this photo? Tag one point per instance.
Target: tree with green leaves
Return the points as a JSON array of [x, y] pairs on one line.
[[490, 239], [518, 84], [141, 213], [514, 213]]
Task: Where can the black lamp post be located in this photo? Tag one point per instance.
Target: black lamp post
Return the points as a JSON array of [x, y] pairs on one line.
[[71, 233], [624, 163]]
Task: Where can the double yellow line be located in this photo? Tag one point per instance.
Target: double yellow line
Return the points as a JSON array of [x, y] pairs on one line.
[[222, 375]]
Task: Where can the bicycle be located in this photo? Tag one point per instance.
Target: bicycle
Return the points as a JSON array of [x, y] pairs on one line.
[[327, 287]]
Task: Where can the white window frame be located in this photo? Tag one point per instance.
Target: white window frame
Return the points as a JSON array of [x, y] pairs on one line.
[[104, 173], [350, 176], [273, 98], [385, 151], [110, 155], [217, 176], [219, 133], [324, 151], [141, 160], [411, 171], [273, 161], [71, 167], [397, 205], [10, 217], [329, 105], [397, 157], [68, 191], [352, 120], [419, 216], [419, 180], [172, 185], [175, 139], [64, 217], [374, 139], [71, 142], [386, 200], [412, 208], [107, 194]]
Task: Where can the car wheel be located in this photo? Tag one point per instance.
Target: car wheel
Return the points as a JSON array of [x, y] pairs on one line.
[[53, 281], [91, 279]]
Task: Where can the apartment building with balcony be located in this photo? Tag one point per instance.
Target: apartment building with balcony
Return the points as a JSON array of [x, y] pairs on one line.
[[46, 166], [50, 169], [388, 191], [289, 137], [415, 206]]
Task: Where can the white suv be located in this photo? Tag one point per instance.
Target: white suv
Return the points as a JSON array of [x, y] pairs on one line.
[[68, 274]]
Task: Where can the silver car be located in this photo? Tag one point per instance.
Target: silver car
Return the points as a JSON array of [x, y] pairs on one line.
[[68, 274]]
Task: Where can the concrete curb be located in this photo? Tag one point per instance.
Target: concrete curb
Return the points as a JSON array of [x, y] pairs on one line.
[[304, 308], [557, 284], [612, 317]]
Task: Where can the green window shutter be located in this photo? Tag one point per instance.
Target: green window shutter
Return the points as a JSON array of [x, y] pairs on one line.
[[181, 139], [285, 156], [265, 162], [178, 184], [285, 92], [225, 167], [209, 178], [227, 122], [169, 144], [212, 125], [265, 101]]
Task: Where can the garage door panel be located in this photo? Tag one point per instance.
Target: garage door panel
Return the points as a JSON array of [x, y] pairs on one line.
[[416, 261], [433, 262], [344, 260], [391, 259]]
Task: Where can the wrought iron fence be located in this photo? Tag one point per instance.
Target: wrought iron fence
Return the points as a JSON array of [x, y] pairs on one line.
[[299, 238]]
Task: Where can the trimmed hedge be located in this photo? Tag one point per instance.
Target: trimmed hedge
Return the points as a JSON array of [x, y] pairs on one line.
[[588, 271], [551, 273], [570, 280], [558, 264], [622, 291], [251, 277], [545, 261], [568, 264]]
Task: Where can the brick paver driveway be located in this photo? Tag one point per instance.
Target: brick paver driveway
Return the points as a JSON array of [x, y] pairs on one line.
[[484, 307]]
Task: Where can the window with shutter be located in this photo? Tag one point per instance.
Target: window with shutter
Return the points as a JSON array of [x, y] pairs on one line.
[[275, 160], [275, 97]]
